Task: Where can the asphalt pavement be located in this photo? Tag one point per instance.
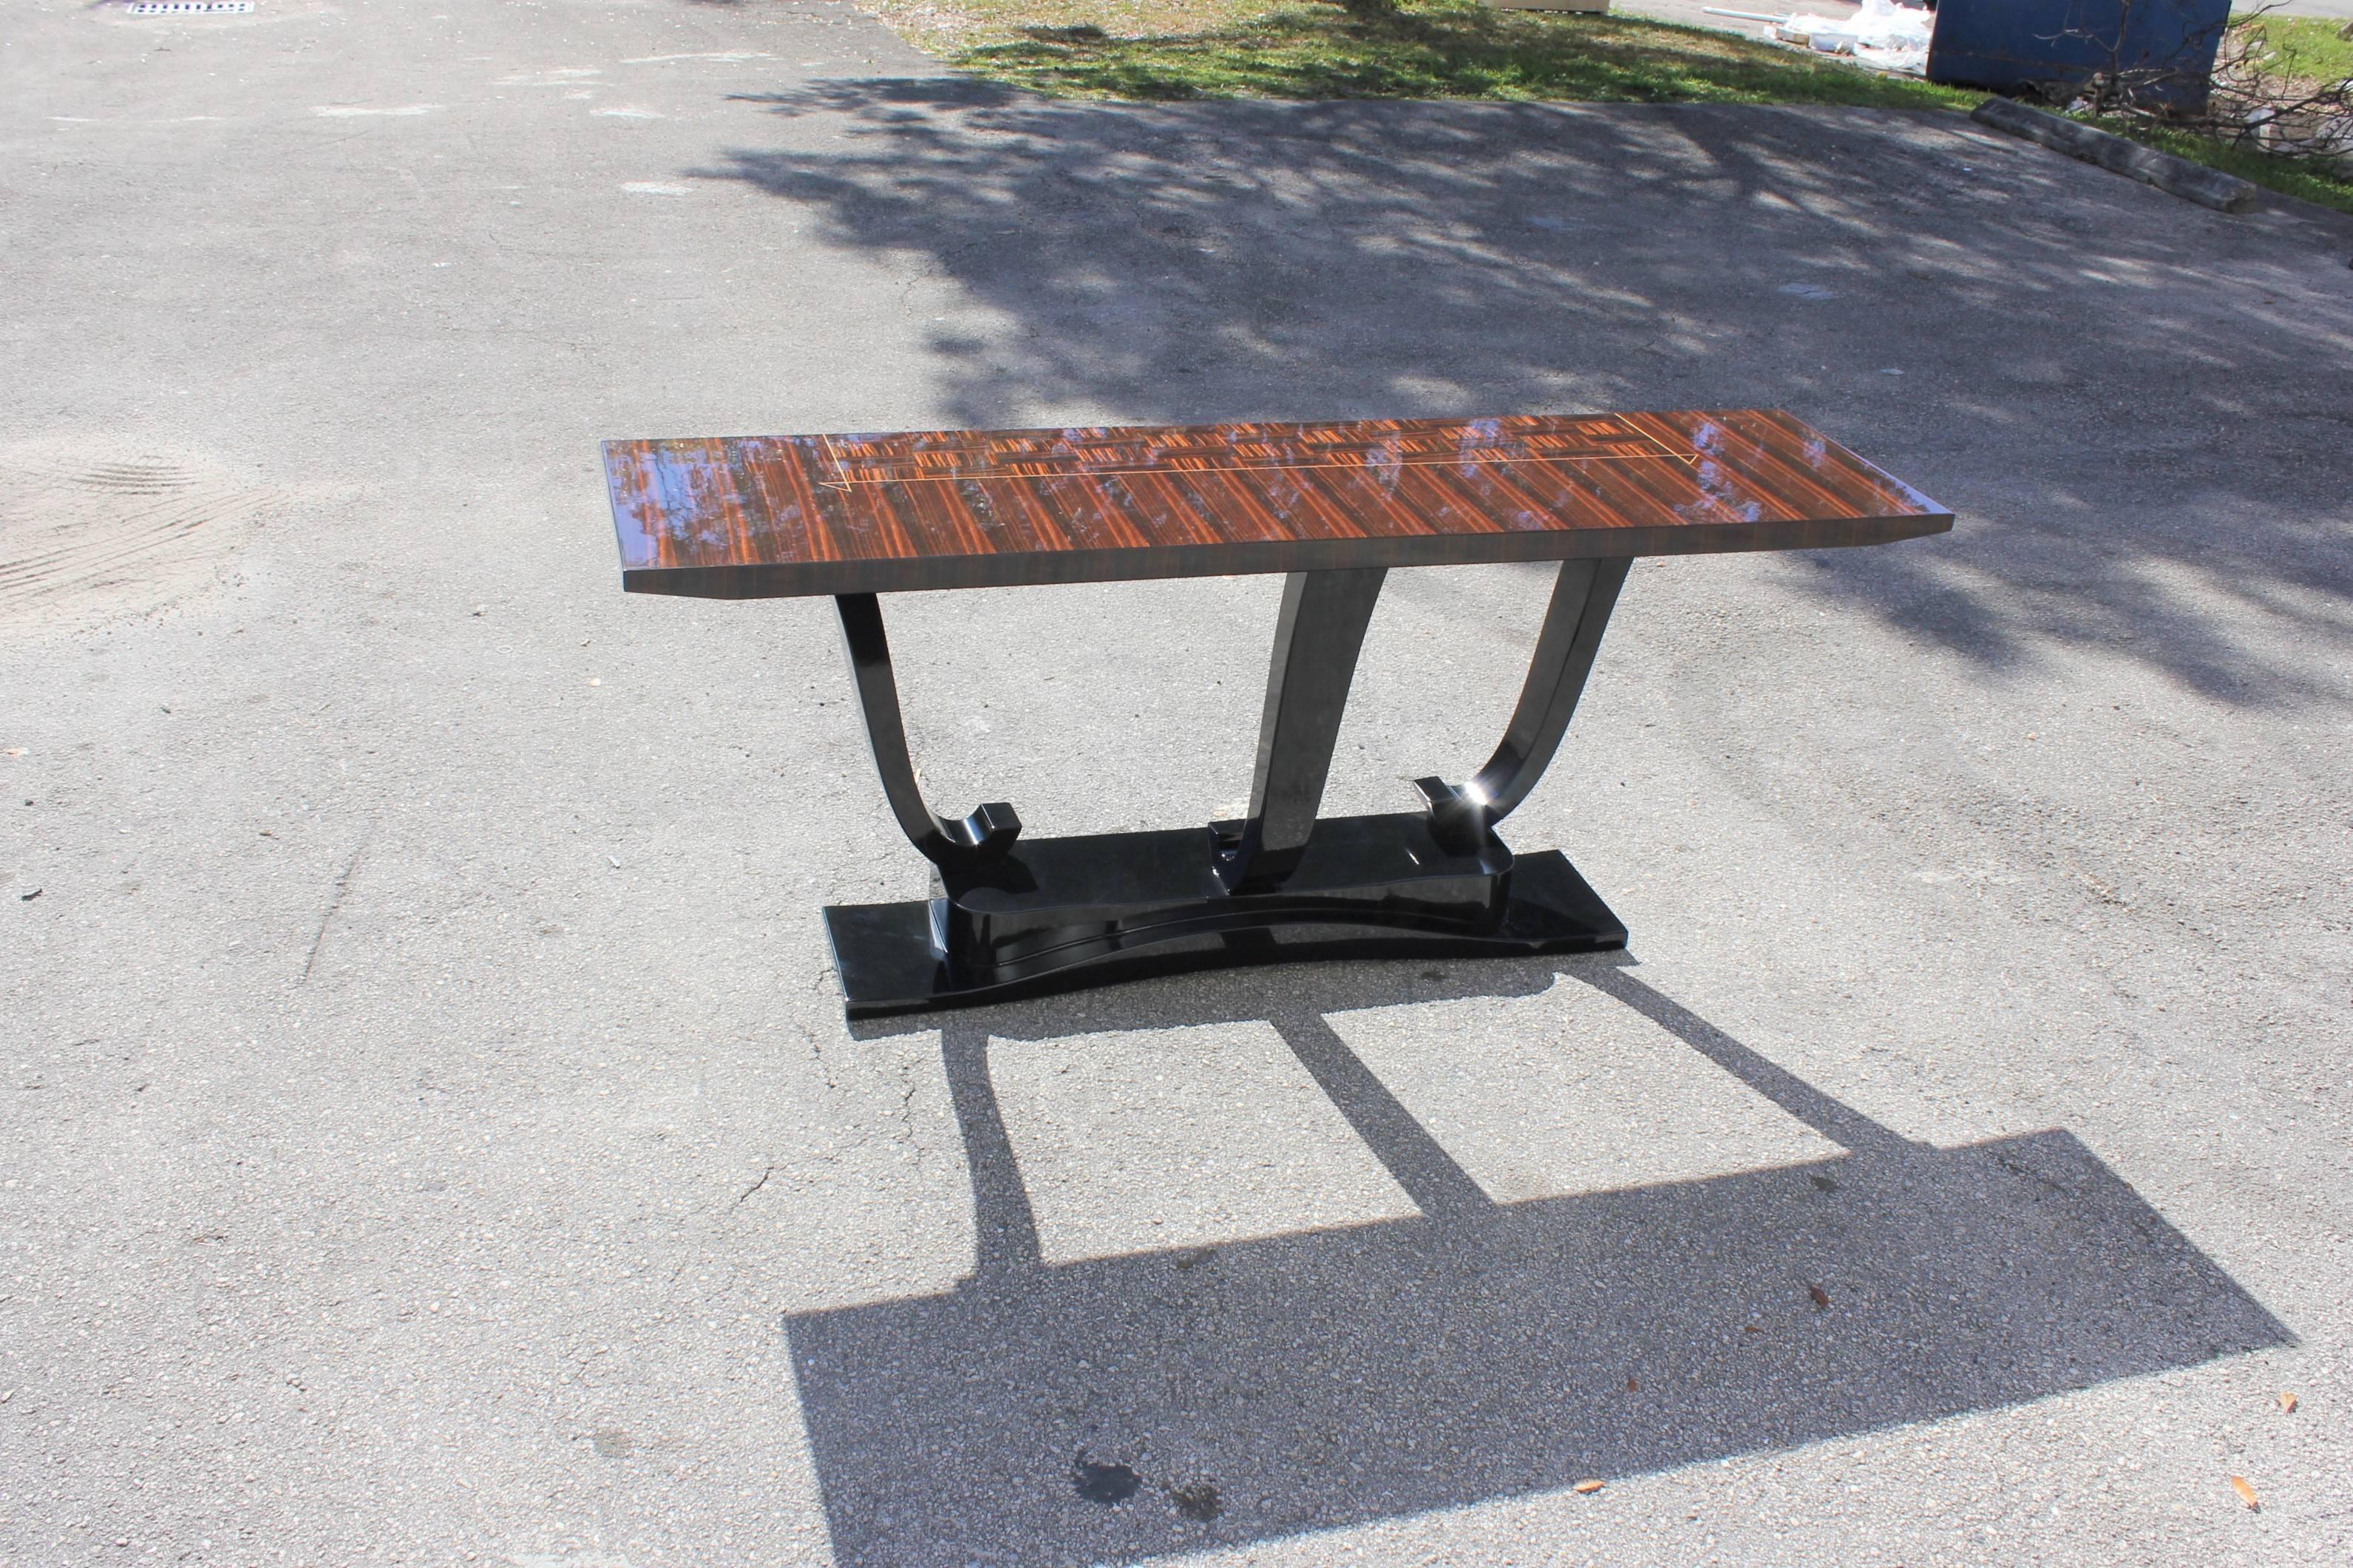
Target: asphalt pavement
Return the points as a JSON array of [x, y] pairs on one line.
[[433, 1133]]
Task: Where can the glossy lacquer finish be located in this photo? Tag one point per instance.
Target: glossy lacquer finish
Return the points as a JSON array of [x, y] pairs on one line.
[[1282, 883], [1062, 913], [1335, 506], [751, 517]]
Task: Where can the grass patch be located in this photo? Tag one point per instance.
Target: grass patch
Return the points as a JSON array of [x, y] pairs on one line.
[[2311, 48], [2289, 176], [1424, 49], [1162, 50]]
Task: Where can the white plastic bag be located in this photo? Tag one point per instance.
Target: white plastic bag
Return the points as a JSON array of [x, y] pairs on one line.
[[1882, 34]]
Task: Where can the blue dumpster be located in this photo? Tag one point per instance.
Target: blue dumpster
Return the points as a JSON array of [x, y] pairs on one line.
[[2007, 44]]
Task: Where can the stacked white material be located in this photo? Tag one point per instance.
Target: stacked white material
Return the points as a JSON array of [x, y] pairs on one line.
[[1889, 37]]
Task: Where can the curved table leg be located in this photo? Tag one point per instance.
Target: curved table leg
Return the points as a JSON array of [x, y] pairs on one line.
[[1317, 637], [1462, 816], [1056, 913], [984, 835]]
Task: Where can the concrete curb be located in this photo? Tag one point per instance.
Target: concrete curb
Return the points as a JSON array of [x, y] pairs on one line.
[[2175, 176]]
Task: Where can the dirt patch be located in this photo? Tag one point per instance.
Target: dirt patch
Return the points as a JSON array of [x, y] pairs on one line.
[[87, 537]]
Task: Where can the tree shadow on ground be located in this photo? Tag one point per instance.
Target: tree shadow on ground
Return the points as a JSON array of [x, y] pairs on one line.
[[2141, 410], [1119, 1408]]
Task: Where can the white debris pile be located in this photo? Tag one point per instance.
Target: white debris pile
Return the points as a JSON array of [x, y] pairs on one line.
[[1882, 35]]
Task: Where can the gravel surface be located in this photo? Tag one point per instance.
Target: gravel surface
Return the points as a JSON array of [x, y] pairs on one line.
[[434, 1137]]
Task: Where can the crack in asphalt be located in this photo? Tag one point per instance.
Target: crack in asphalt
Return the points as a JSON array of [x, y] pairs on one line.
[[327, 916], [744, 1197]]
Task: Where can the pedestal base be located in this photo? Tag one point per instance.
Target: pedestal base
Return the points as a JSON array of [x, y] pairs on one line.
[[1064, 913]]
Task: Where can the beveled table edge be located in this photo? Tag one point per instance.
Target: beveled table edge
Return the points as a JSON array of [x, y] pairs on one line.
[[879, 574], [795, 579]]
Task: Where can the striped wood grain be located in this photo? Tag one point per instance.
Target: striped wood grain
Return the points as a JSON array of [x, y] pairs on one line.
[[753, 517]]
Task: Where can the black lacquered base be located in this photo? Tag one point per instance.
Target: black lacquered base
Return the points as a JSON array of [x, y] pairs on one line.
[[1060, 914]]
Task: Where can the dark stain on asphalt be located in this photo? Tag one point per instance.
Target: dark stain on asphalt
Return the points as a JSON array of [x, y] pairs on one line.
[[1196, 1499], [1105, 1484]]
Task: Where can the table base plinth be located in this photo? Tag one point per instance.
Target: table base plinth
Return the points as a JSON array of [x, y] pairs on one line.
[[1060, 914]]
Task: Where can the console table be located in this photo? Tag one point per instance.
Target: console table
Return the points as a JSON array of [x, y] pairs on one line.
[[1335, 506]]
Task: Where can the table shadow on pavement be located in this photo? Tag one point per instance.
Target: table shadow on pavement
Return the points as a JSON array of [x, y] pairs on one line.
[[1120, 1407]]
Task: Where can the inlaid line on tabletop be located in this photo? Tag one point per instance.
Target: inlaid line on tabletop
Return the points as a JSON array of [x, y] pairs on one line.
[[1802, 478], [823, 513], [1073, 472]]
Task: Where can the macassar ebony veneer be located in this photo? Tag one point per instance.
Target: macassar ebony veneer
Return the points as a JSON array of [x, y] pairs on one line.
[[1335, 506]]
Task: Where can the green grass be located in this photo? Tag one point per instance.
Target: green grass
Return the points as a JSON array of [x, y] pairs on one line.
[[1160, 49], [1425, 48], [2311, 48], [2289, 176]]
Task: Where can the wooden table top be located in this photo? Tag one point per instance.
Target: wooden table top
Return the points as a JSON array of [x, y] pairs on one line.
[[762, 516]]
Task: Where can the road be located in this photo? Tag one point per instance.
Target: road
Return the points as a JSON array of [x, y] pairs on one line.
[[434, 1136]]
